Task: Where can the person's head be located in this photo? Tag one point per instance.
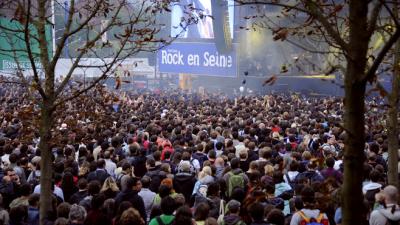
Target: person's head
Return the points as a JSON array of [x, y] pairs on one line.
[[97, 201], [63, 210], [168, 205], [277, 177], [34, 200], [235, 163], [391, 194], [201, 212], [294, 166], [375, 175], [110, 183], [308, 197], [77, 214], [146, 181], [150, 163], [330, 162], [257, 211], [131, 216], [183, 216], [25, 190], [269, 170], [18, 214], [123, 206], [126, 167], [243, 154], [213, 189], [82, 184], [61, 221], [94, 187], [133, 183], [276, 217], [10, 172], [233, 206], [101, 164], [253, 166]]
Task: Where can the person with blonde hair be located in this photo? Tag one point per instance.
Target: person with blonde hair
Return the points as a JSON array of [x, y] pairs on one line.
[[110, 188], [204, 179], [269, 172]]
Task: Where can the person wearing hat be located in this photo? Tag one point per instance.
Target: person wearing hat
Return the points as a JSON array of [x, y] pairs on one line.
[[232, 217]]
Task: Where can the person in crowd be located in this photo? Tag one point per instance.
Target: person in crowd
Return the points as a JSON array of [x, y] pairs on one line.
[[81, 193], [134, 186], [232, 217], [389, 213], [77, 215], [168, 205], [147, 196], [131, 216], [309, 210], [172, 150], [110, 188], [33, 209]]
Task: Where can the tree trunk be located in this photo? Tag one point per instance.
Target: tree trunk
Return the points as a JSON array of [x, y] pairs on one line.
[[392, 121], [354, 109], [46, 163], [354, 157]]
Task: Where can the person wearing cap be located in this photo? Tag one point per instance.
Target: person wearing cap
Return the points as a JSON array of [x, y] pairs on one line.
[[232, 217], [390, 212]]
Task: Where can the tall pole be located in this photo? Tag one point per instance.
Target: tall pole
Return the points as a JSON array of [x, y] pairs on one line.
[[66, 12], [53, 20]]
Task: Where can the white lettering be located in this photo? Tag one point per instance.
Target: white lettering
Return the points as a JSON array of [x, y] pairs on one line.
[[216, 60], [193, 60], [172, 58]]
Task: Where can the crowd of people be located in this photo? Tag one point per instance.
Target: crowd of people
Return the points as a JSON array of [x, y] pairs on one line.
[[175, 158]]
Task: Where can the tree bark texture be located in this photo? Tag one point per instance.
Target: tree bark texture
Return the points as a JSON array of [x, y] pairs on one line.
[[46, 163], [392, 121], [355, 85]]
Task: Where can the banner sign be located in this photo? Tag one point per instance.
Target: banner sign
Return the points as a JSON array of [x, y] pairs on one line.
[[197, 59]]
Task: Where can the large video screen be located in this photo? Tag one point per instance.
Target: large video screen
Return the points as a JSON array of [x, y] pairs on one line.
[[204, 28]]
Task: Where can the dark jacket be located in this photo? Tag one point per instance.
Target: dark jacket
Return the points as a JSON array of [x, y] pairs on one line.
[[184, 183], [99, 175], [156, 177], [77, 197], [312, 176], [134, 199], [139, 163]]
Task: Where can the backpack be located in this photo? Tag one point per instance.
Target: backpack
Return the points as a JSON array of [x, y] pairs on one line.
[[202, 190], [160, 222], [235, 181], [200, 157], [119, 179], [320, 220]]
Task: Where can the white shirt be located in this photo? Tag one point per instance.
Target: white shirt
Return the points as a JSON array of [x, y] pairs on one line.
[[57, 191], [110, 167]]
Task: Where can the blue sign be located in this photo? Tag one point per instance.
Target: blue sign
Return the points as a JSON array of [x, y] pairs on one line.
[[197, 59]]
